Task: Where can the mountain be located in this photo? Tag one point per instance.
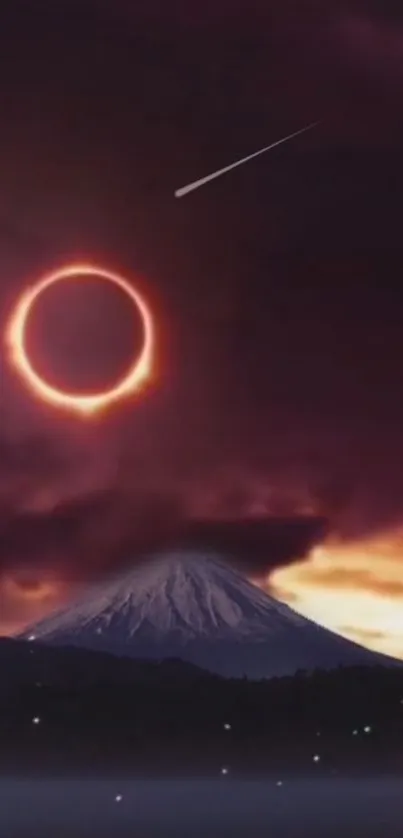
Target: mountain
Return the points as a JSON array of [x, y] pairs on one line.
[[194, 607]]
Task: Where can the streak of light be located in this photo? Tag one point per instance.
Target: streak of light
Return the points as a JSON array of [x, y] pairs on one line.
[[184, 190]]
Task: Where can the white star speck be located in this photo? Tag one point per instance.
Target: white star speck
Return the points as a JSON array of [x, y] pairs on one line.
[[36, 720]]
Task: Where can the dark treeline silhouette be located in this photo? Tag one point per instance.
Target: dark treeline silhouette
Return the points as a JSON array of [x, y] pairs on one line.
[[69, 711]]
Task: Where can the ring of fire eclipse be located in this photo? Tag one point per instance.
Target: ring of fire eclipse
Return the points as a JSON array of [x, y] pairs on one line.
[[85, 405]]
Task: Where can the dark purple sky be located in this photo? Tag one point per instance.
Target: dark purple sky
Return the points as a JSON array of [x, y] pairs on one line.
[[277, 289]]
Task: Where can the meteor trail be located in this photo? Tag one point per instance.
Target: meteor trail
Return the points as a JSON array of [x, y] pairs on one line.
[[195, 185]]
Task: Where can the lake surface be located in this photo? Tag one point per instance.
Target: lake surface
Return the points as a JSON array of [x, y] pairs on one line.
[[221, 808]]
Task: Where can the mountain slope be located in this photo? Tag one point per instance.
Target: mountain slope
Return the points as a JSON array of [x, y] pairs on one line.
[[189, 606]]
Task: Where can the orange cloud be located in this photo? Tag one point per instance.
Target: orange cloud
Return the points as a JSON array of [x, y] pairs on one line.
[[32, 591], [355, 589], [24, 600], [363, 635]]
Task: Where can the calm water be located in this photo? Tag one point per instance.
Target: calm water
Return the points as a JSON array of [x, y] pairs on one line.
[[201, 809]]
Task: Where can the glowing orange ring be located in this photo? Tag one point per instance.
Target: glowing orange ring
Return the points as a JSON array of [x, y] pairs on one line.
[[86, 404]]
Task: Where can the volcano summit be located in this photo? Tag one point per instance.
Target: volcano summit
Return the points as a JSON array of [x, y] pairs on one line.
[[196, 608]]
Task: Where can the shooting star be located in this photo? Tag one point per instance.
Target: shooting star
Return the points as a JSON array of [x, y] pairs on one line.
[[195, 185]]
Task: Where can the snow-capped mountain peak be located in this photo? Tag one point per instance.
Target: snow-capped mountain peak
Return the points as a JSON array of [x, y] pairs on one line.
[[193, 606]]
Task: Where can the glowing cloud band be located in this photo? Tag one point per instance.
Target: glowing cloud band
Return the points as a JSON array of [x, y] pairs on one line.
[[83, 404]]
